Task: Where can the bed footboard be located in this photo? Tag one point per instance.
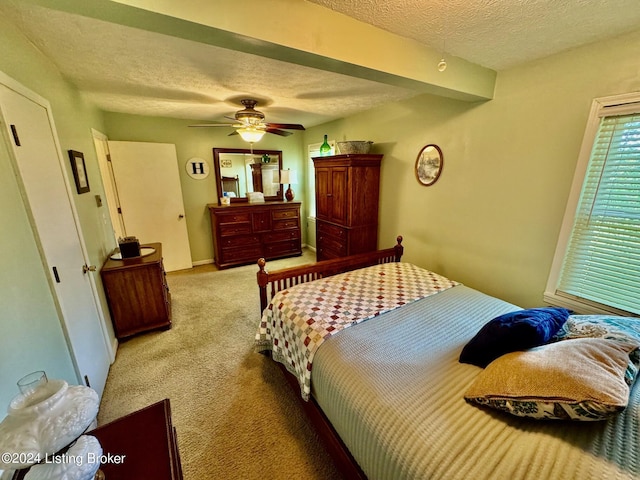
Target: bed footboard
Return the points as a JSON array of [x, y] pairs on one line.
[[272, 283]]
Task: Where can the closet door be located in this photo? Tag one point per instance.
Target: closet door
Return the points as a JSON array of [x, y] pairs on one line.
[[323, 190], [48, 197], [340, 195]]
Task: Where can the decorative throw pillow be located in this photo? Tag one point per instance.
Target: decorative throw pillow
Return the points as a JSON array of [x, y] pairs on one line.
[[582, 379], [613, 327], [513, 331]]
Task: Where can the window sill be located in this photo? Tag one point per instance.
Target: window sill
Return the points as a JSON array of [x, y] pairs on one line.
[[581, 307]]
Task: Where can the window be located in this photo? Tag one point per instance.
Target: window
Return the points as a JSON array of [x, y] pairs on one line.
[[596, 268], [314, 151]]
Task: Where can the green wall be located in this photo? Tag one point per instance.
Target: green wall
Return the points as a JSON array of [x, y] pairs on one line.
[[31, 335], [491, 221], [493, 218], [199, 142]]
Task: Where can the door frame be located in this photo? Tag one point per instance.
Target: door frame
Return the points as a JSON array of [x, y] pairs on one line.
[[17, 87], [109, 183]]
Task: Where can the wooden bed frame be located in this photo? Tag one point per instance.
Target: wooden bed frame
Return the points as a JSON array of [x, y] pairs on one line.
[[270, 284]]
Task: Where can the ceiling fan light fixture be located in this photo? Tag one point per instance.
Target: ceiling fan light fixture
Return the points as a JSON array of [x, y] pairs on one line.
[[251, 134]]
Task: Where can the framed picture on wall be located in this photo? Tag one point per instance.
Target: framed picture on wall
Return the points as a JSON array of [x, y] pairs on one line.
[[429, 165], [79, 171]]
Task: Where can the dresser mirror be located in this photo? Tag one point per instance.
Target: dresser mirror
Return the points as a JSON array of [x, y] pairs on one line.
[[242, 171]]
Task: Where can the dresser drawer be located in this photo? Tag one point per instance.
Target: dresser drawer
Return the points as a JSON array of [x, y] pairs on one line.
[[332, 230], [336, 245], [281, 236], [242, 233], [234, 218], [289, 213], [234, 229], [261, 221], [286, 224], [240, 241], [244, 254], [282, 248]]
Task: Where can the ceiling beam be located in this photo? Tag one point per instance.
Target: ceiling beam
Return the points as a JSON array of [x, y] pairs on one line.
[[298, 32]]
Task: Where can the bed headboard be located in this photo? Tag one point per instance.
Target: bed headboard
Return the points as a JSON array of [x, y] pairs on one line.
[[271, 283]]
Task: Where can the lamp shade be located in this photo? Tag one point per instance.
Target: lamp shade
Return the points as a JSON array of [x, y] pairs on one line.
[[288, 176], [251, 134]]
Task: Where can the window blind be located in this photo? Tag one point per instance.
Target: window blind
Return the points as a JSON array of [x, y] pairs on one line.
[[602, 262]]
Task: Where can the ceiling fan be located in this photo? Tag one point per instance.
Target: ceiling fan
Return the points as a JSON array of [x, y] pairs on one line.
[[250, 124]]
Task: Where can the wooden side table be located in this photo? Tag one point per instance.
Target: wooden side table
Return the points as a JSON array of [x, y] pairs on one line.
[[142, 444], [137, 446], [137, 293]]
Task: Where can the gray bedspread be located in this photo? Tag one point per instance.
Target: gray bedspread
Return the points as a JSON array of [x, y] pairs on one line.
[[393, 389]]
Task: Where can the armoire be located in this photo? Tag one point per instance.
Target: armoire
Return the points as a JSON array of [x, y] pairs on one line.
[[347, 196]]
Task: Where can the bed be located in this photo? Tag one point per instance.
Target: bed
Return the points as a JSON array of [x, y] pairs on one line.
[[386, 394]]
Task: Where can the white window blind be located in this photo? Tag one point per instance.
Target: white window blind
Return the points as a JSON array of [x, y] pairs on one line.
[[602, 260]]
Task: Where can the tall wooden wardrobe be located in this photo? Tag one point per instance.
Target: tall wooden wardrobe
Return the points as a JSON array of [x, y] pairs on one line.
[[347, 194]]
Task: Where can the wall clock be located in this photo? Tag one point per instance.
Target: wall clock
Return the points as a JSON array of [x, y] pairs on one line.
[[429, 165]]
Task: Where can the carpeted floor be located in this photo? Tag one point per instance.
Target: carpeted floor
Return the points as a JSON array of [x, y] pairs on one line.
[[235, 416]]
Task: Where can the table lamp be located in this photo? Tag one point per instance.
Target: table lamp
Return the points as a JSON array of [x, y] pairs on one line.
[[288, 177], [44, 430]]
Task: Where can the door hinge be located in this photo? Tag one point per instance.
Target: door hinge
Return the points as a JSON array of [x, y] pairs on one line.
[[14, 132], [119, 210], [86, 381], [55, 274], [108, 157]]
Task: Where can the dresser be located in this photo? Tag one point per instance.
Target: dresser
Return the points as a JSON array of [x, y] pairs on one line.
[[137, 293], [243, 232], [347, 195]]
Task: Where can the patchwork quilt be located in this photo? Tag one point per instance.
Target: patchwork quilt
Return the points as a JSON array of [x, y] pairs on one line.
[[299, 319]]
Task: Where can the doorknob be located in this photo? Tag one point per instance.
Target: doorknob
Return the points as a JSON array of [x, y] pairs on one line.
[[180, 217], [88, 268]]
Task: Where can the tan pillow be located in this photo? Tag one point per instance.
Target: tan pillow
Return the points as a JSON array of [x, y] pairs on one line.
[[578, 379]]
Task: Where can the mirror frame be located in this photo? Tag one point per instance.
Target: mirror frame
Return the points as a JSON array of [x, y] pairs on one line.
[[216, 166]]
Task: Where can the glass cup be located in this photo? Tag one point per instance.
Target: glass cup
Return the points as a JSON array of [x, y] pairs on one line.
[[32, 382]]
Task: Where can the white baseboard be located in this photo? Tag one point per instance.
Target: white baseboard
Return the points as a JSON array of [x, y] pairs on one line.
[[202, 262]]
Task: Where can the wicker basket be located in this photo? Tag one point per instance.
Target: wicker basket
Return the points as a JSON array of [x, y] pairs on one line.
[[354, 146]]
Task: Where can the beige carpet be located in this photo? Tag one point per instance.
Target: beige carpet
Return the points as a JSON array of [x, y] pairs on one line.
[[235, 416]]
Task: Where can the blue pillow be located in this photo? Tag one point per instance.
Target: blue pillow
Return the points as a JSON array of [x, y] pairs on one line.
[[513, 331]]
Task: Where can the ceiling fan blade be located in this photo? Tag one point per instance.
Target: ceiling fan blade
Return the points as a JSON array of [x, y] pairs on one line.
[[288, 126], [277, 131], [235, 132]]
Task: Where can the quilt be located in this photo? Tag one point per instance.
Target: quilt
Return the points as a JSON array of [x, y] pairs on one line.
[[299, 319]]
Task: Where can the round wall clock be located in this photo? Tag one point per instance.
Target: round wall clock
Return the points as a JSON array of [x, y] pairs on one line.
[[429, 164]]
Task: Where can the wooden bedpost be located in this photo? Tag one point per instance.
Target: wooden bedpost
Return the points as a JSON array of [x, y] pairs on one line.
[[399, 248], [263, 280]]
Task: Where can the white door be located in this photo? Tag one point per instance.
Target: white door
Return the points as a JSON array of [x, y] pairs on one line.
[[150, 194], [38, 158]]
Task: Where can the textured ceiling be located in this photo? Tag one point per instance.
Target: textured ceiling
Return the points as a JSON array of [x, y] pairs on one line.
[[497, 34], [130, 70]]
